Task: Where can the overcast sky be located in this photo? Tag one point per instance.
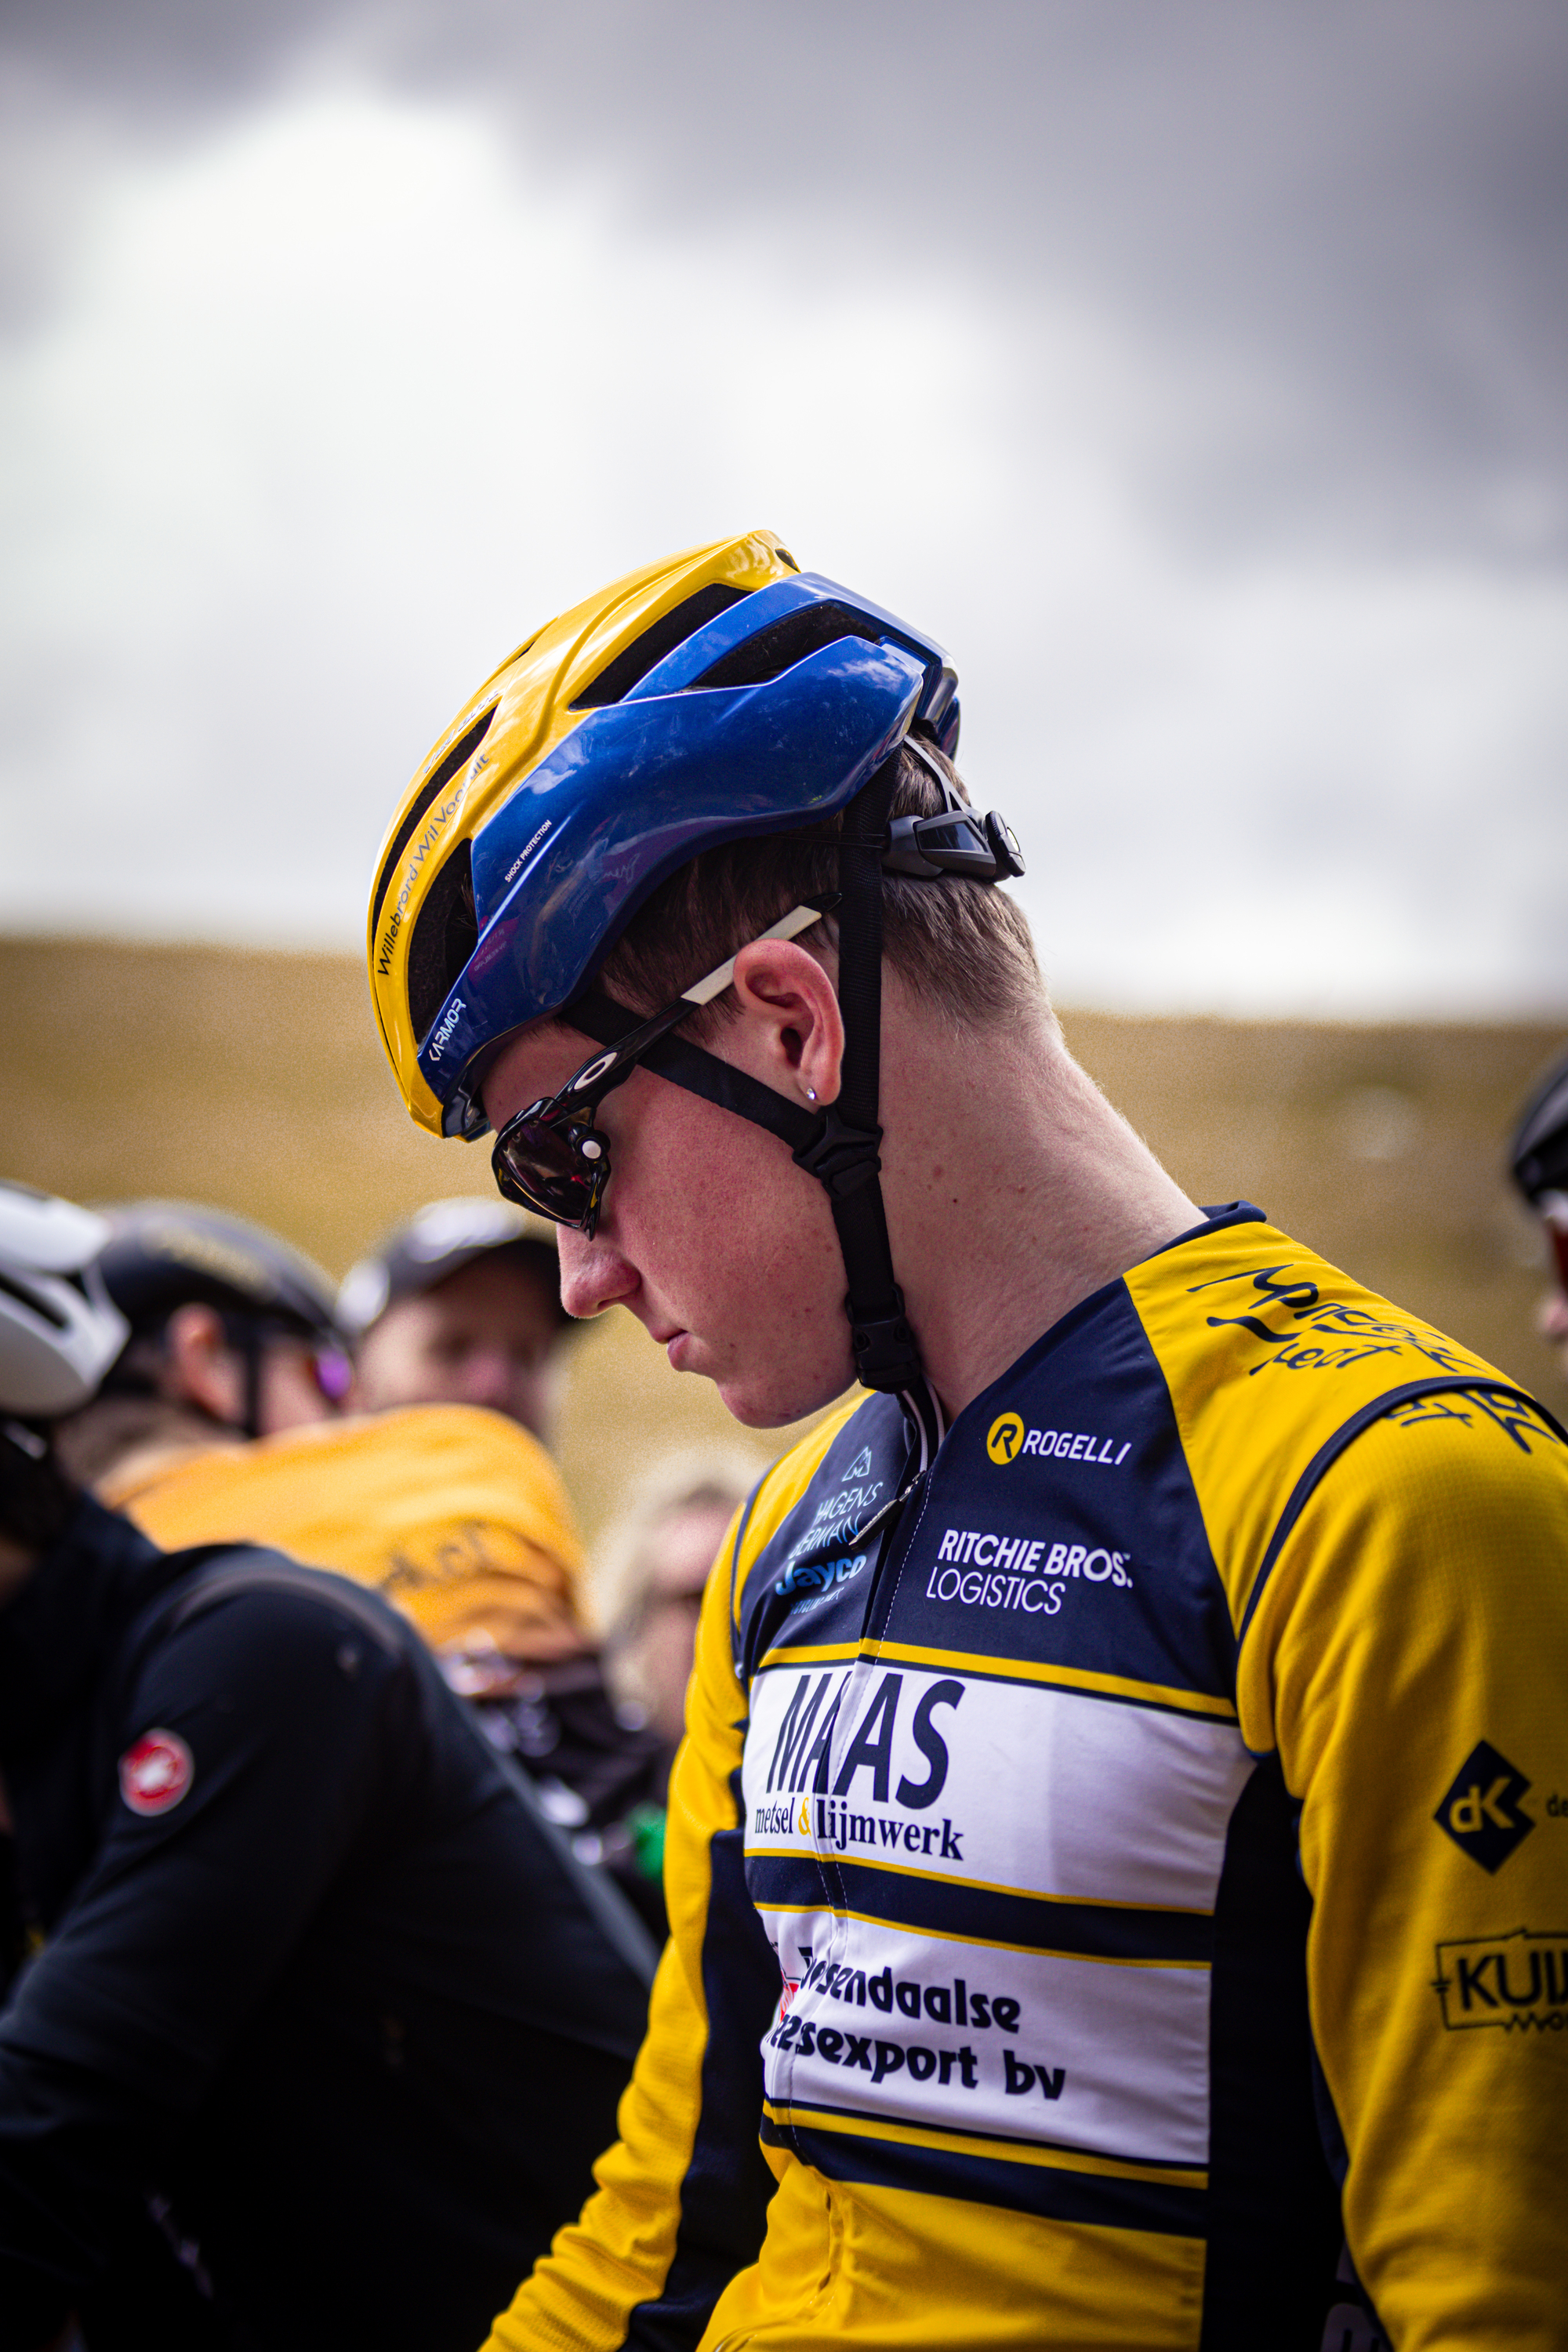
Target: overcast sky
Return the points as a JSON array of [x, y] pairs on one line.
[[1198, 373]]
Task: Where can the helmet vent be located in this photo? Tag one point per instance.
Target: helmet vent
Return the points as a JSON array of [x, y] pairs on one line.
[[633, 663], [36, 1302], [783, 643], [445, 937], [458, 757]]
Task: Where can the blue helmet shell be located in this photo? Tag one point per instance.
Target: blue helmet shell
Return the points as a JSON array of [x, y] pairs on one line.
[[641, 786]]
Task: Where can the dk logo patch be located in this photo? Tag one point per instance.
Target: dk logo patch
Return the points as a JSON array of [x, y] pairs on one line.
[[1481, 1811]]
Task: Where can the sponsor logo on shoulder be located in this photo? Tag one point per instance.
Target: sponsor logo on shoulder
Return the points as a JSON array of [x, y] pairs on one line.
[[1007, 1439], [1481, 1812], [834, 1526], [156, 1772], [1518, 1982], [861, 1465]]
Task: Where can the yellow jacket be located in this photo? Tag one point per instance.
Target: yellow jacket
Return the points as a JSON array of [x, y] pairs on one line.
[[1115, 1868], [455, 1514]]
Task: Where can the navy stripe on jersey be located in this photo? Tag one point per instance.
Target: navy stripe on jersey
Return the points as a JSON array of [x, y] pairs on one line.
[[1054, 2192], [984, 1914]]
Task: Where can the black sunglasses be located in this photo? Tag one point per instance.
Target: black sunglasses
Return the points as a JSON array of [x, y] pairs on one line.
[[550, 1157]]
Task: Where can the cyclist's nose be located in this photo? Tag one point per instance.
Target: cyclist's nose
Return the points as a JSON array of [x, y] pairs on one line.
[[594, 1273]]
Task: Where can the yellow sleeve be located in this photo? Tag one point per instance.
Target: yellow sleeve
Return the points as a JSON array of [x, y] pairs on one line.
[[682, 2197], [1409, 1660]]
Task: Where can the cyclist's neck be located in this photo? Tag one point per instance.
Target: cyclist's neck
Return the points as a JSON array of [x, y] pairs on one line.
[[1014, 1190]]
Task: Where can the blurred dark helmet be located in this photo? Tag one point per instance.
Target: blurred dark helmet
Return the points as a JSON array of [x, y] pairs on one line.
[[1539, 1160], [1538, 1157], [440, 1240], [162, 1255]]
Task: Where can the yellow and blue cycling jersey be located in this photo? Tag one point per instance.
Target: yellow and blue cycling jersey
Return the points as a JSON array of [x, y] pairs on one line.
[[1120, 1875]]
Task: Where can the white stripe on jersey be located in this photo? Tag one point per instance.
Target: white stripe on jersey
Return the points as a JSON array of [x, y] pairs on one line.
[[1008, 1784]]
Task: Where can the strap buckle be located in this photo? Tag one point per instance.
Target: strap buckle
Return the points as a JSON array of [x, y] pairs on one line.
[[842, 1158], [955, 841], [886, 1354]]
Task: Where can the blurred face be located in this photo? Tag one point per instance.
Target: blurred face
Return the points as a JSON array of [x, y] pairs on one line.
[[299, 1383], [1553, 1321], [292, 1396], [1553, 1316], [485, 1335], [660, 1651], [722, 1248]]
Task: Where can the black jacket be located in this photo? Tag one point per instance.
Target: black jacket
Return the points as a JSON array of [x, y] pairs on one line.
[[344, 2014]]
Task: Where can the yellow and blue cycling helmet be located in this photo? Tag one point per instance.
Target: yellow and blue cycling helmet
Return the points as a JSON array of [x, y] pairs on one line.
[[720, 695]]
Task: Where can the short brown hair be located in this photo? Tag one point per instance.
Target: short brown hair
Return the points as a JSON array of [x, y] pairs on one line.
[[963, 947]]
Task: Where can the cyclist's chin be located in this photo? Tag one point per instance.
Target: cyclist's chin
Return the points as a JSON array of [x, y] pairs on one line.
[[770, 1396]]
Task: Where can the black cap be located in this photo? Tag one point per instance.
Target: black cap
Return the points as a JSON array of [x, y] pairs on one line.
[[440, 1240], [1538, 1158], [164, 1254]]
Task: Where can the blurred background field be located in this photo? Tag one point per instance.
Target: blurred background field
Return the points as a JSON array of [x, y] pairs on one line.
[[253, 1079]]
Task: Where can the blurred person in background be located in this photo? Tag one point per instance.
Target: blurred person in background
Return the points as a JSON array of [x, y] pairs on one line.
[[1539, 1162], [459, 1306], [222, 1421], [1113, 1894], [233, 1335], [651, 1573], [319, 2025], [455, 1513]]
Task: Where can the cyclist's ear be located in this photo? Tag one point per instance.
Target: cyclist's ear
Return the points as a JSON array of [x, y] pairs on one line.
[[200, 1368], [791, 1031]]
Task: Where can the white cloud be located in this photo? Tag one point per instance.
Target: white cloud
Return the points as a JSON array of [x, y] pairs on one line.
[[332, 409]]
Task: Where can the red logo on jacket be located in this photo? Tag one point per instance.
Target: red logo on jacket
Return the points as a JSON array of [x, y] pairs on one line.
[[155, 1774]]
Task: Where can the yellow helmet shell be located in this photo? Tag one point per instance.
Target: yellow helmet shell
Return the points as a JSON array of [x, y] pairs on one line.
[[516, 719]]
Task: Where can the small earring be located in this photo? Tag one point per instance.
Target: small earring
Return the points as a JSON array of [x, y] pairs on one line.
[[811, 1094]]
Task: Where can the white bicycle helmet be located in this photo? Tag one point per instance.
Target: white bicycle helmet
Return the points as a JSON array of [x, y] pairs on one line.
[[59, 1329]]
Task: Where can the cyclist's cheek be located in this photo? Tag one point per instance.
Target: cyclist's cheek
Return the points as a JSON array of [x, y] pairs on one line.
[[291, 1395]]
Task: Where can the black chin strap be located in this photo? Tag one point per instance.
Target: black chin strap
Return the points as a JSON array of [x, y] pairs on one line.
[[838, 1145], [844, 1157]]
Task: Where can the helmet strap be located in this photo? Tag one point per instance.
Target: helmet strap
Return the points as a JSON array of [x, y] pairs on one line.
[[843, 1156]]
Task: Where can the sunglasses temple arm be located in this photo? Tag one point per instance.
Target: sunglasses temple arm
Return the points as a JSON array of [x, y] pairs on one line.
[[799, 919]]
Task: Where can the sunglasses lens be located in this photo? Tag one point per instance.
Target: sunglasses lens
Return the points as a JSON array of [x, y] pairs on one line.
[[537, 1164], [335, 1373]]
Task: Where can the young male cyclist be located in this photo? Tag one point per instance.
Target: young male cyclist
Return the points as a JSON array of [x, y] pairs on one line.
[[1116, 1897]]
